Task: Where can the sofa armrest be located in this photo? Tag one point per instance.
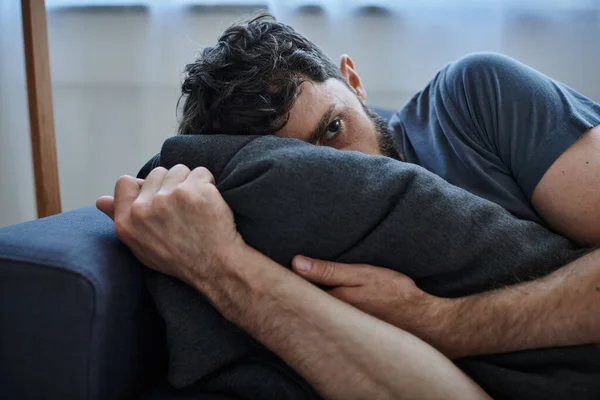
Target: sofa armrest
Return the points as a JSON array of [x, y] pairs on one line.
[[76, 321]]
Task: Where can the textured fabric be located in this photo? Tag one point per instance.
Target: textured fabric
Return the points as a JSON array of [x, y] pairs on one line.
[[76, 321], [292, 198], [493, 126], [163, 391]]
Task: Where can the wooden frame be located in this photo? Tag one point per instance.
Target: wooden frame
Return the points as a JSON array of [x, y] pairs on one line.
[[41, 120]]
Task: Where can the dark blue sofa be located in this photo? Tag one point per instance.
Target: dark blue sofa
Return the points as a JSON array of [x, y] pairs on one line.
[[76, 321]]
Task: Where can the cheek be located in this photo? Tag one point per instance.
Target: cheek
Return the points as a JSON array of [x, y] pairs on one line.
[[360, 136]]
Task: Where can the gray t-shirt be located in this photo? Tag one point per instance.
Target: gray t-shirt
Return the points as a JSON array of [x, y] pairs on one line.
[[492, 126]]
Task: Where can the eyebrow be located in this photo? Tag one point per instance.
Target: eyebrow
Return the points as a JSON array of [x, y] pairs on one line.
[[322, 125]]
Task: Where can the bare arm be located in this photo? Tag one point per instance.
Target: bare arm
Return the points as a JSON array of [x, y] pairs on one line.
[[343, 352], [568, 195], [562, 309], [176, 222]]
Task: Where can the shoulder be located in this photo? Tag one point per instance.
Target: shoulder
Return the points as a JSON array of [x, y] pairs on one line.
[[477, 75]]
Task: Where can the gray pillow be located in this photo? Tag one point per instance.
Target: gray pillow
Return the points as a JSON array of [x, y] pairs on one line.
[[292, 198]]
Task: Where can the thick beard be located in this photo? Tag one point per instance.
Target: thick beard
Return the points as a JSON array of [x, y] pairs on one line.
[[384, 135]]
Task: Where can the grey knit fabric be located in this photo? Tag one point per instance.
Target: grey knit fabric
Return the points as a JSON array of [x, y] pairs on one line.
[[292, 198]]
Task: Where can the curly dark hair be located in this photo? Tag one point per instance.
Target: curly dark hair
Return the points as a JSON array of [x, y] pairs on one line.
[[248, 81]]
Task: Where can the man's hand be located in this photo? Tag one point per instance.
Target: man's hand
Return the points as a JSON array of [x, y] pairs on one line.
[[557, 310], [175, 221], [385, 294]]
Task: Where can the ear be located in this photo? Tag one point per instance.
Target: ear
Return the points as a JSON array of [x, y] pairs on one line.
[[349, 73]]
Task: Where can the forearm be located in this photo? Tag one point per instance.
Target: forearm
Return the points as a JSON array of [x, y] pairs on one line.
[[342, 352], [562, 309]]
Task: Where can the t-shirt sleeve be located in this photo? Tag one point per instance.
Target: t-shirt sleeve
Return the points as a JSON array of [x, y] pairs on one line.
[[523, 116]]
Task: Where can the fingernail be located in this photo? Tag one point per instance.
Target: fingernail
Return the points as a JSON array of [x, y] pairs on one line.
[[303, 264]]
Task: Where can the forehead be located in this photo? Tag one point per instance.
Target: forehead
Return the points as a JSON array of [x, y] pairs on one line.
[[313, 100]]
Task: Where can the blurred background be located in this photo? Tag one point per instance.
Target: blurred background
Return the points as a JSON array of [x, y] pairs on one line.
[[117, 65]]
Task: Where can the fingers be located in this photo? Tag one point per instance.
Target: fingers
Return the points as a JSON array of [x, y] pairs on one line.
[[197, 179], [201, 175], [329, 273], [174, 177], [127, 190], [152, 184], [106, 204]]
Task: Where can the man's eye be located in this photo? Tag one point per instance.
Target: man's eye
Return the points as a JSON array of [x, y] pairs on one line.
[[332, 130]]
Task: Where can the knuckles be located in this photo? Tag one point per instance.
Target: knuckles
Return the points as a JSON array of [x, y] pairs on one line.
[[328, 271], [123, 178], [181, 193], [139, 210], [158, 170], [204, 173], [123, 181], [164, 203], [181, 167]]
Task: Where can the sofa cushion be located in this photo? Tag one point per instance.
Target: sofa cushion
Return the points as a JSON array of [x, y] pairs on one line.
[[75, 318]]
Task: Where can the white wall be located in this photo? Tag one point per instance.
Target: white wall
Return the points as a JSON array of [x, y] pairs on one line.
[[116, 77]]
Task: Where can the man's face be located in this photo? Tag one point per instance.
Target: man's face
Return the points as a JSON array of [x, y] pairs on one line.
[[331, 114]]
